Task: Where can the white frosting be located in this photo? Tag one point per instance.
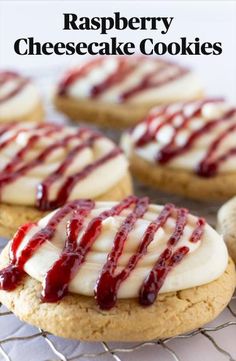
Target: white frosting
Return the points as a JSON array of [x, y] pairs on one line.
[[22, 191], [205, 262], [191, 157], [82, 87], [186, 86], [19, 104]]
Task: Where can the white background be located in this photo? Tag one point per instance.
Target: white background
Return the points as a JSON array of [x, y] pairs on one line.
[[210, 20]]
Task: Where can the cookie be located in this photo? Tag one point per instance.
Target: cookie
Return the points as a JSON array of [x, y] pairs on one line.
[[116, 92], [186, 149], [19, 99], [226, 225], [108, 271], [45, 165], [12, 216]]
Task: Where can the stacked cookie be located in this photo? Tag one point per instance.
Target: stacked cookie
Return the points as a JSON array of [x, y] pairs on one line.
[[89, 260]]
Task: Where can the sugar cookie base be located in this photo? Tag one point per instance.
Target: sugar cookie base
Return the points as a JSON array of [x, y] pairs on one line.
[[184, 183], [107, 115], [79, 317], [35, 115]]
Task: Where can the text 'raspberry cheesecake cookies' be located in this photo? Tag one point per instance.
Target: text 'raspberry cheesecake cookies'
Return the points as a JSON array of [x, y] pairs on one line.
[[45, 165], [19, 99], [123, 271], [187, 149], [118, 91]]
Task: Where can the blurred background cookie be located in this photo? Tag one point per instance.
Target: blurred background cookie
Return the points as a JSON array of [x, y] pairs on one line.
[[187, 149], [227, 225], [116, 92], [19, 99]]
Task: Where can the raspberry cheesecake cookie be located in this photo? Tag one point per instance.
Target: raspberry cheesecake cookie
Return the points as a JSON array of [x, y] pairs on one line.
[[118, 91], [187, 149], [227, 225], [19, 99], [45, 165], [125, 271]]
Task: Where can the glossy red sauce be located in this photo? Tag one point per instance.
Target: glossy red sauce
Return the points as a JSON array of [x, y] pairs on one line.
[[208, 167], [57, 279], [108, 283], [124, 69], [18, 168], [70, 182], [69, 262], [147, 82], [11, 276], [198, 231], [7, 76], [73, 75]]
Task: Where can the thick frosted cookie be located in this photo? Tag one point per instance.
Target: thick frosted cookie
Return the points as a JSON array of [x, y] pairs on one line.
[[117, 271], [19, 99], [42, 166], [227, 225], [118, 91], [187, 149]]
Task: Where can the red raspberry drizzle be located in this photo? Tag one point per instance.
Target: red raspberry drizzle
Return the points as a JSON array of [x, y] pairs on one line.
[[19, 166], [57, 279], [209, 165], [7, 76], [125, 68], [13, 274], [75, 259], [73, 75]]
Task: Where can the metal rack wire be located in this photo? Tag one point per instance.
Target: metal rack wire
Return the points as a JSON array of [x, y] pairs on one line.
[[109, 351], [117, 353], [58, 348]]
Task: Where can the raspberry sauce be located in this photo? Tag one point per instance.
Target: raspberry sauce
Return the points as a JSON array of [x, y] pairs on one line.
[[124, 69], [208, 167], [80, 239], [12, 275], [8, 76], [18, 167]]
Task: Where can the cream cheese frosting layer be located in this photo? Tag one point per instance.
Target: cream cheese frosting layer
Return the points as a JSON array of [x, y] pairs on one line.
[[46, 165], [18, 96], [205, 260], [195, 136], [131, 80]]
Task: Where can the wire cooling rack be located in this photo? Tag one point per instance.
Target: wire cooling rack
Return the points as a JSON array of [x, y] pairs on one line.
[[18, 341], [118, 353], [216, 341]]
